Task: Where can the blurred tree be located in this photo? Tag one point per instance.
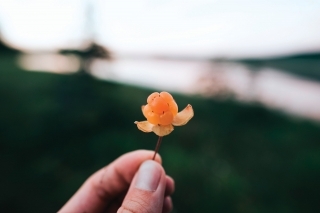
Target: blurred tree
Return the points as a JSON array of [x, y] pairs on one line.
[[304, 65], [4, 48]]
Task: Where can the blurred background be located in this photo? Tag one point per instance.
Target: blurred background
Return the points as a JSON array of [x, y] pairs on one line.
[[74, 73]]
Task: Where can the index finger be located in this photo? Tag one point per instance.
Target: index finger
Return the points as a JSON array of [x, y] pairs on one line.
[[107, 183]]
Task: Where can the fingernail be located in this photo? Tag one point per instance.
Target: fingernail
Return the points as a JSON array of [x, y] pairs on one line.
[[148, 176]]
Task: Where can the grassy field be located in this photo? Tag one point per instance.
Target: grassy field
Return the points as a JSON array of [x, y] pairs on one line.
[[56, 130]]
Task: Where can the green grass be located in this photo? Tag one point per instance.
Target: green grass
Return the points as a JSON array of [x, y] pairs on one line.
[[56, 130]]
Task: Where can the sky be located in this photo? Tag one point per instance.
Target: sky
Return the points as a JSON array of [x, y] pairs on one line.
[[176, 28]]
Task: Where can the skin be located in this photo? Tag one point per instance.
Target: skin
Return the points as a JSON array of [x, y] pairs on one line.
[[117, 187]]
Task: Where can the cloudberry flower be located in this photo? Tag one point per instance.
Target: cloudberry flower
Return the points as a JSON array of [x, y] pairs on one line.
[[161, 112]]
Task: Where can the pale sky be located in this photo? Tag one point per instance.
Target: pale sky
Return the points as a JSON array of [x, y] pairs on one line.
[[176, 28]]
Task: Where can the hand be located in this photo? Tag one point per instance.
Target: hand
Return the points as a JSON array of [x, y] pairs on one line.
[[131, 184]]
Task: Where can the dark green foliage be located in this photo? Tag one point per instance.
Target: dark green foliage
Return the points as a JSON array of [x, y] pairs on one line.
[[305, 66], [57, 130]]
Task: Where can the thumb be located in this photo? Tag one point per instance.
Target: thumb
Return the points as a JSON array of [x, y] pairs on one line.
[[146, 192]]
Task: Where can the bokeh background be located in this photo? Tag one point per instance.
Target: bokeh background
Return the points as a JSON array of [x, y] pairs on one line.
[[74, 73]]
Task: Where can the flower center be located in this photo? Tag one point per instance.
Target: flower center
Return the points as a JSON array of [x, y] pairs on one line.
[[161, 108]]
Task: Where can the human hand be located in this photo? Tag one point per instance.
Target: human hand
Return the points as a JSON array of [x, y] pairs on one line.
[[131, 184]]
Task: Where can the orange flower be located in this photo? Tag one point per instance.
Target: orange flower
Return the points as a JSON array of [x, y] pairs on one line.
[[161, 113]]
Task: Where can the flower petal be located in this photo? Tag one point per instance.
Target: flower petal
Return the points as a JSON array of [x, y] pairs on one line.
[[144, 126], [161, 130], [183, 117]]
